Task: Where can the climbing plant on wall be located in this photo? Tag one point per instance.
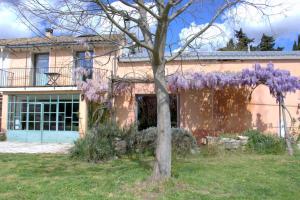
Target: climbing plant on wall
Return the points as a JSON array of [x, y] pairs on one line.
[[280, 82]]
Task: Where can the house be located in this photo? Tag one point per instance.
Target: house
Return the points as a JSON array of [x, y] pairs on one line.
[[41, 102]]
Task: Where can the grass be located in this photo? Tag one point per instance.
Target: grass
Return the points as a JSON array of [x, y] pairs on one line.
[[230, 176]]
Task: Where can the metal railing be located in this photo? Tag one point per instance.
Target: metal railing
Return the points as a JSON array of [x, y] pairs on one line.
[[42, 77]]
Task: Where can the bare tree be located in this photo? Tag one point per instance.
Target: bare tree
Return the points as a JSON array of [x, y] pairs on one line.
[[151, 21]]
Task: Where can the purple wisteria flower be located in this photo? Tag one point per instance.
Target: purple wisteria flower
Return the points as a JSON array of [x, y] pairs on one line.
[[280, 82]]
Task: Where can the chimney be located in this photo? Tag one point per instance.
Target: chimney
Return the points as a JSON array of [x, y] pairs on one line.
[[48, 32]]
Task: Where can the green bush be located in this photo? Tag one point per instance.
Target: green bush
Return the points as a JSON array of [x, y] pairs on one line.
[[183, 142], [264, 144], [2, 137], [144, 141], [98, 144], [108, 141]]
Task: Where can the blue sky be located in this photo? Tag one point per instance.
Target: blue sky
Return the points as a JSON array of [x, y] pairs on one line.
[[284, 24]]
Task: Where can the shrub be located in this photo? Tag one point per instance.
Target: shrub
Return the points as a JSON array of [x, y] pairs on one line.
[[98, 144], [264, 144], [183, 142], [2, 137], [145, 141], [108, 141]]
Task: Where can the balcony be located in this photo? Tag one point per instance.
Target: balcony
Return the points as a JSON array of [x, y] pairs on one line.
[[49, 77]]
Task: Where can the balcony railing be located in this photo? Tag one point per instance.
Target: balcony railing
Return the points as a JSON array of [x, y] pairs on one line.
[[48, 77]]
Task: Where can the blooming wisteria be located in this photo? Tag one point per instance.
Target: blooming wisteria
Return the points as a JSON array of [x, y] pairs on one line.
[[95, 85], [95, 89], [279, 81]]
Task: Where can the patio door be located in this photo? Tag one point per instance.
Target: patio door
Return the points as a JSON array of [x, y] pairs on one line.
[[41, 68], [35, 120], [43, 118]]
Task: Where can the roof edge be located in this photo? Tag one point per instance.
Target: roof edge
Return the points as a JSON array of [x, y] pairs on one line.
[[224, 55]]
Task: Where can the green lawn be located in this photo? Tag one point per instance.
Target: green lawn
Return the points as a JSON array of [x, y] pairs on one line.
[[230, 176]]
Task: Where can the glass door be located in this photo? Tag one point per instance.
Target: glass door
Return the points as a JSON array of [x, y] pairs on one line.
[[49, 116], [43, 118], [41, 68], [34, 116]]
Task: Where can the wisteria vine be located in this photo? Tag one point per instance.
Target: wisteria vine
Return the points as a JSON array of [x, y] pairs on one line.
[[280, 82], [95, 85]]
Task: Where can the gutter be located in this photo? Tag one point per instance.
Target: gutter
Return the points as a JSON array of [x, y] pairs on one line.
[[53, 44], [223, 56]]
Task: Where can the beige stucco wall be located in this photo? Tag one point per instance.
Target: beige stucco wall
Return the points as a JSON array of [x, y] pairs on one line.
[[228, 111], [83, 117], [61, 61], [4, 112]]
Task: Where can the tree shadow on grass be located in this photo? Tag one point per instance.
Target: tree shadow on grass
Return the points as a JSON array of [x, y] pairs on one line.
[[144, 161]]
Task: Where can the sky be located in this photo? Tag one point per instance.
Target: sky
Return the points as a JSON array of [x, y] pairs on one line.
[[282, 22]]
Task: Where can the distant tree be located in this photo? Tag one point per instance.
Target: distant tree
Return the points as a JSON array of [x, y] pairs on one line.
[[242, 40], [267, 43], [296, 46], [230, 46]]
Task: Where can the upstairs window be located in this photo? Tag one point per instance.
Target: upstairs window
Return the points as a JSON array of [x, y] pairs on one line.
[[84, 59], [41, 68]]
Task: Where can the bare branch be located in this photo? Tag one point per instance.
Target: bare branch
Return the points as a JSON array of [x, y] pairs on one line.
[[124, 30], [181, 10], [128, 4], [142, 5], [144, 26]]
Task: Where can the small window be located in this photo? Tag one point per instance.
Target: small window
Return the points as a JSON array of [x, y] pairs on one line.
[[147, 111], [84, 59]]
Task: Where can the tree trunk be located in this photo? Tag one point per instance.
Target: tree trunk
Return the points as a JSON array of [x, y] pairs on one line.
[[162, 165], [287, 134]]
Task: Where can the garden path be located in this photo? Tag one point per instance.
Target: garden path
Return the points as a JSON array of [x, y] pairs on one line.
[[18, 147]]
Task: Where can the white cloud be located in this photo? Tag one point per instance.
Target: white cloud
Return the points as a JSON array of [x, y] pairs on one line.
[[10, 25], [213, 38], [280, 19]]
